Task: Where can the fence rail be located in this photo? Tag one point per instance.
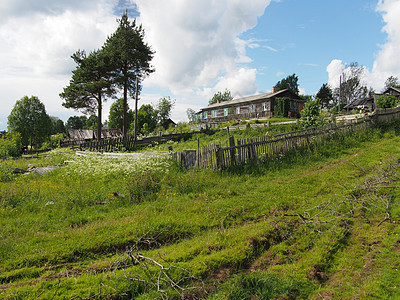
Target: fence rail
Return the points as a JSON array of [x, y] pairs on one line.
[[129, 143], [243, 151]]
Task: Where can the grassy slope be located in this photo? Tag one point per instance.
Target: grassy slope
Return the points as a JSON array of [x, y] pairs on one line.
[[246, 235]]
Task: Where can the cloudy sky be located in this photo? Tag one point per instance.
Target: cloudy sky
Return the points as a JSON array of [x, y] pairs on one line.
[[202, 46]]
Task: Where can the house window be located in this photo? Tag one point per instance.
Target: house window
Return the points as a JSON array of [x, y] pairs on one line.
[[238, 110], [205, 115], [252, 108], [199, 116], [226, 112], [214, 113]]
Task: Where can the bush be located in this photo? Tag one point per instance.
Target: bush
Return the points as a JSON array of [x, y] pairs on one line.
[[311, 115], [11, 145], [282, 106], [143, 186], [53, 142], [386, 101]]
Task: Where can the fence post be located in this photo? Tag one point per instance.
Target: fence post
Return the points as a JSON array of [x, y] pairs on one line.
[[233, 150], [218, 159], [198, 154], [253, 150]]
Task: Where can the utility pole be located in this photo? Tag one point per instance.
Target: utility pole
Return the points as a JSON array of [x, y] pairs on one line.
[[136, 105]]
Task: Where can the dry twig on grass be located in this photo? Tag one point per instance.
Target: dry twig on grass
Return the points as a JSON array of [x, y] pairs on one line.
[[155, 274]]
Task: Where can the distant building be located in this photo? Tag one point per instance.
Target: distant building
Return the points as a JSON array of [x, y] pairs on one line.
[[370, 102], [362, 103], [167, 123], [91, 134], [259, 106]]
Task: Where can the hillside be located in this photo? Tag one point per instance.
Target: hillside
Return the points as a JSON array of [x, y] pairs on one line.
[[318, 223]]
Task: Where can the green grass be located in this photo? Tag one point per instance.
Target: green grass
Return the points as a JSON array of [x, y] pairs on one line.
[[222, 137], [312, 223]]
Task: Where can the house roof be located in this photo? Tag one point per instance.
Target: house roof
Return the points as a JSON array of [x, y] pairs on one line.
[[250, 99], [88, 134], [392, 88], [369, 101], [80, 134]]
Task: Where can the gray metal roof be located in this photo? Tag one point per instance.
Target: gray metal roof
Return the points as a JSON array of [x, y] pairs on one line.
[[244, 100]]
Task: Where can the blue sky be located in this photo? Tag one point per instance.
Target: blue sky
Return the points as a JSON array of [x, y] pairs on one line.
[[202, 46], [306, 35]]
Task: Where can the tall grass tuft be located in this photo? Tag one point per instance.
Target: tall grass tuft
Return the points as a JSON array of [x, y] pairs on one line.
[[143, 187]]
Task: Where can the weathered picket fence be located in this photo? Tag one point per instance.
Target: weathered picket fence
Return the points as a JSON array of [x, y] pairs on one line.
[[129, 142], [243, 151]]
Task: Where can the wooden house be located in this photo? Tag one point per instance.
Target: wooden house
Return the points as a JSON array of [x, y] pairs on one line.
[[91, 134], [362, 104], [258, 106], [393, 92], [370, 102]]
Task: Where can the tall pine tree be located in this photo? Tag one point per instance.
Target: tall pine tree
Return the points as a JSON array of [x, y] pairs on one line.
[[90, 84], [131, 58]]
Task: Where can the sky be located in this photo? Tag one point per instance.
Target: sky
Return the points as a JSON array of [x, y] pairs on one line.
[[201, 46]]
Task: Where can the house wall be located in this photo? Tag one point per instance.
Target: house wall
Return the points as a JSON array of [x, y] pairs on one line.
[[249, 110]]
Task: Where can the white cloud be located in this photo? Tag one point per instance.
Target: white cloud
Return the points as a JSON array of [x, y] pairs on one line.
[[197, 42], [198, 47], [37, 40], [335, 69], [43, 43], [387, 61]]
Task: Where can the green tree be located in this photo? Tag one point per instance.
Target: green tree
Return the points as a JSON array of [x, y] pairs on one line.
[[221, 97], [91, 122], [386, 101], [57, 125], [115, 117], [131, 58], [76, 122], [29, 118], [164, 108], [290, 82], [146, 118], [325, 96], [392, 81], [352, 87], [191, 114], [90, 84]]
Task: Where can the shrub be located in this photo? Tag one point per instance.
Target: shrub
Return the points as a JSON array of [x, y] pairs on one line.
[[311, 115], [53, 142], [11, 145], [143, 186], [386, 101], [282, 106]]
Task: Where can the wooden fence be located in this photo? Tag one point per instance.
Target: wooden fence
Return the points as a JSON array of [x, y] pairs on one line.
[[242, 151], [129, 143]]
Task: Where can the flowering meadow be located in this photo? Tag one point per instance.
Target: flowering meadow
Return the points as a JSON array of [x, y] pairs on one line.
[[125, 165]]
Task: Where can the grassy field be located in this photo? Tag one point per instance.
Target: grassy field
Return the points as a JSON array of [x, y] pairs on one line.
[[319, 223]]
